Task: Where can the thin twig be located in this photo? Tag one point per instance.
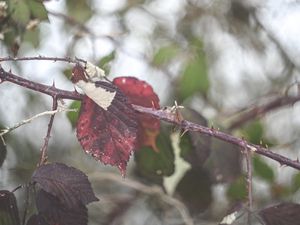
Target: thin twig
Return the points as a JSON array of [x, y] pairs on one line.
[[248, 157], [44, 148], [41, 58], [161, 114], [151, 190], [29, 120], [263, 109]]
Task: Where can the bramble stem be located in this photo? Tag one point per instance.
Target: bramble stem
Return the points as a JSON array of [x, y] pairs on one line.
[[161, 114]]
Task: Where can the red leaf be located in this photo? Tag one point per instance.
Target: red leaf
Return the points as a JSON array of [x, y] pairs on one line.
[[141, 93], [108, 135]]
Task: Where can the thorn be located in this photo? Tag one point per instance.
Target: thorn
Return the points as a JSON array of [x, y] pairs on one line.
[[53, 83], [183, 133], [152, 103]]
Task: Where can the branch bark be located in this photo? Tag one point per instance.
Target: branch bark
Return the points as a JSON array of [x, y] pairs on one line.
[[162, 114]]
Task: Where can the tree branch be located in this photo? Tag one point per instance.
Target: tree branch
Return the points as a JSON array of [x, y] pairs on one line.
[[263, 109], [162, 114]]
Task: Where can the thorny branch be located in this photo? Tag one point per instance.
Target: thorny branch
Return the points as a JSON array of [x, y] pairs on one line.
[[44, 148], [29, 120], [248, 157], [161, 114], [263, 109]]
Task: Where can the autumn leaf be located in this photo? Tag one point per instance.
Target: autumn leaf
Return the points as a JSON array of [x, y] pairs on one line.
[[141, 93], [107, 127], [68, 184]]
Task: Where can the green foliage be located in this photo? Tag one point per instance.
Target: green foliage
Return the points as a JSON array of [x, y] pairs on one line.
[[20, 11], [185, 145], [195, 190], [73, 116], [33, 37], [68, 73], [79, 9], [37, 9], [254, 132], [263, 170], [237, 191], [105, 61], [194, 78], [24, 10], [153, 164], [296, 182], [164, 55]]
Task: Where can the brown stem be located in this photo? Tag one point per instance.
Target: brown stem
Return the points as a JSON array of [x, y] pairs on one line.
[[44, 149], [263, 109], [48, 90], [42, 58], [161, 114], [248, 157]]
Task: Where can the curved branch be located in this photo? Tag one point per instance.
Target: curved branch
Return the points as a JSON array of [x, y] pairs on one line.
[[263, 109], [162, 114]]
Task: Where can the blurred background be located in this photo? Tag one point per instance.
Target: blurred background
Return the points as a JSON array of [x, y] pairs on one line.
[[217, 58]]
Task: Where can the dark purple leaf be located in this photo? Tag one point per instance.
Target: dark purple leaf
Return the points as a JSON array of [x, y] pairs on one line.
[[68, 184], [2, 152], [281, 214], [225, 161], [37, 220], [54, 213], [9, 214]]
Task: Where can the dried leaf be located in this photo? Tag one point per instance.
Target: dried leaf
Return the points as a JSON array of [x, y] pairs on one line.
[[54, 213], [68, 184], [9, 214], [281, 214], [37, 220], [141, 93], [109, 136], [107, 127]]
